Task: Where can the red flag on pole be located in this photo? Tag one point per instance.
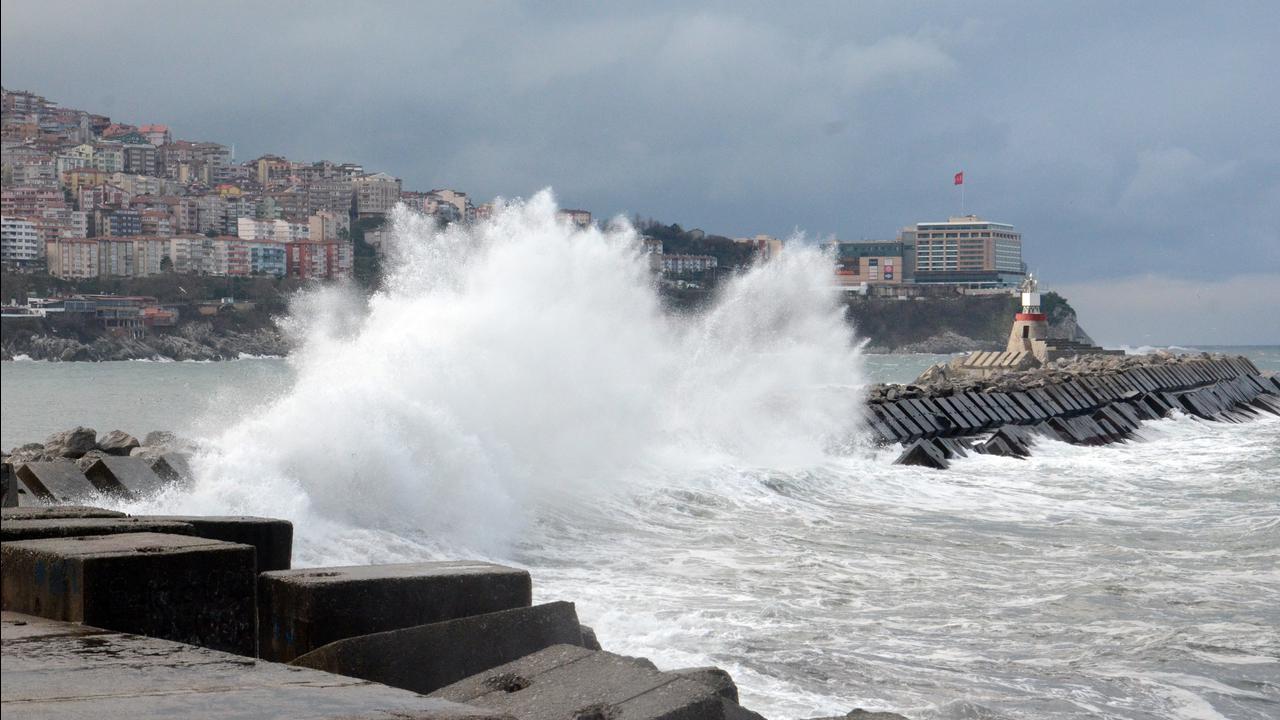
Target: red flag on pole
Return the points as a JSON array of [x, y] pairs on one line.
[[959, 178]]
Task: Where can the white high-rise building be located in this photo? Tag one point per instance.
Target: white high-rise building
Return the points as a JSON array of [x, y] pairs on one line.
[[19, 241]]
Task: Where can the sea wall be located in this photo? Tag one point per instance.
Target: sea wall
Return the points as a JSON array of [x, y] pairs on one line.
[[1091, 400], [209, 610], [155, 617]]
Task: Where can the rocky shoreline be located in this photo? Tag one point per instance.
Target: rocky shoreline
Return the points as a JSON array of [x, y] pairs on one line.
[[190, 341], [84, 445]]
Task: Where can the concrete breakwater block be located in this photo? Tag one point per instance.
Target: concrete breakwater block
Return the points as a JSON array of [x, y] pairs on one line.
[[1009, 441], [172, 468], [428, 657], [49, 512], [8, 484], [714, 677], [131, 477], [175, 587], [271, 538], [302, 610], [38, 528], [63, 670], [58, 481], [923, 453], [565, 681]]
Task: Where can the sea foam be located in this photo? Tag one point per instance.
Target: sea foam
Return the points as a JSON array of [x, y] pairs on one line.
[[523, 362]]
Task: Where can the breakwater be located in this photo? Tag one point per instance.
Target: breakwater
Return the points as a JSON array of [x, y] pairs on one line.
[[1087, 400], [163, 616]]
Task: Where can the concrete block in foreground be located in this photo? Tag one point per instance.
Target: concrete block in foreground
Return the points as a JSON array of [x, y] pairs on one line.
[[46, 512], [175, 587], [302, 610], [428, 657], [64, 671], [38, 528], [131, 477], [271, 538], [58, 481], [566, 681]]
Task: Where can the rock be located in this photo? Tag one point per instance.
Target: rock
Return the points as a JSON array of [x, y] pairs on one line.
[[84, 462], [159, 438], [118, 442], [71, 443], [31, 452], [860, 714]]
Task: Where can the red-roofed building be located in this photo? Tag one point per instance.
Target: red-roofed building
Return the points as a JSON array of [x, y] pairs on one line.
[[156, 134], [115, 130]]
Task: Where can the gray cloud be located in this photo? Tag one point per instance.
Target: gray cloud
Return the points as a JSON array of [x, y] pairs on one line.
[[1159, 311], [1121, 138]]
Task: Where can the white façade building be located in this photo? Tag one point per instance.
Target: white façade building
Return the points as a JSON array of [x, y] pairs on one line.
[[19, 242]]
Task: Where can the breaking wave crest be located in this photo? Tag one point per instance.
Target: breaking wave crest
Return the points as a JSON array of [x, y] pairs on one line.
[[523, 362]]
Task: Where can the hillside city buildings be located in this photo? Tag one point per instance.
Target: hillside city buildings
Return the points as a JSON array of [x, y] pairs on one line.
[[84, 196]]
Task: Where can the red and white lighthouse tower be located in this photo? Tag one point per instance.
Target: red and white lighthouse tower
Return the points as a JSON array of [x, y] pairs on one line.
[[1030, 324]]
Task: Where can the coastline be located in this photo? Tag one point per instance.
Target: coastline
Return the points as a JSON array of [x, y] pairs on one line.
[[188, 342]]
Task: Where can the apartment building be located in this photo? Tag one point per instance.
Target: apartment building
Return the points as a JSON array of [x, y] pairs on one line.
[[375, 194], [73, 258], [19, 241], [967, 250]]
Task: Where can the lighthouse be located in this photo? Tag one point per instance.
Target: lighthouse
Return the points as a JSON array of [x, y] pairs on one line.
[[1029, 325]]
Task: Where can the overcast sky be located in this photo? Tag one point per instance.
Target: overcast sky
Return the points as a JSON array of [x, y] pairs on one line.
[[1123, 139]]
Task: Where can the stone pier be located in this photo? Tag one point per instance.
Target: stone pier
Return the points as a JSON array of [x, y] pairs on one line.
[[108, 615], [1088, 400]]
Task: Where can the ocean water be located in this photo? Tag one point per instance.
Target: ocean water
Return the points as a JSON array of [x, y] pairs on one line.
[[696, 487]]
